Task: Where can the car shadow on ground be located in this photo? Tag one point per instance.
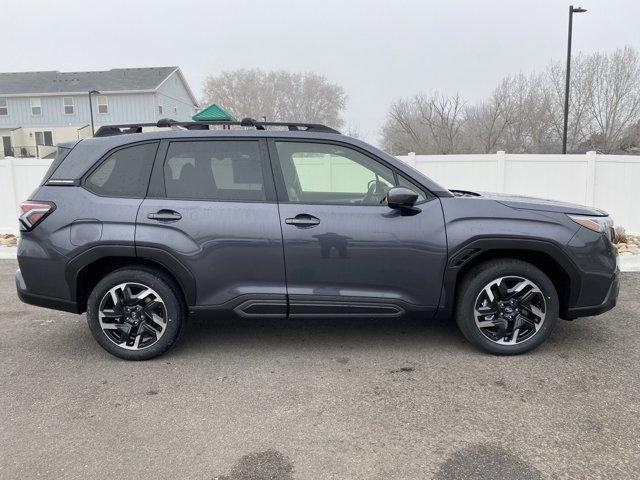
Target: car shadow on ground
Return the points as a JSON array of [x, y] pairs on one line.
[[407, 333]]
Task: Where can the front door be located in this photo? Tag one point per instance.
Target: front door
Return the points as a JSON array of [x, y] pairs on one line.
[[211, 206], [346, 251], [6, 146]]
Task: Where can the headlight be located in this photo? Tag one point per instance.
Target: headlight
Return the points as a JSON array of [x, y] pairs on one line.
[[597, 224]]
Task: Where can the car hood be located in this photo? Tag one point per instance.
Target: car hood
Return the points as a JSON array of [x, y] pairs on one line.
[[533, 203]]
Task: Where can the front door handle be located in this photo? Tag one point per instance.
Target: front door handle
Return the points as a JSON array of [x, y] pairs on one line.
[[303, 220], [165, 216]]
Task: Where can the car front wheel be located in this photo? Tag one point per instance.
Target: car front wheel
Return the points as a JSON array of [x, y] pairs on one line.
[[135, 314], [506, 306]]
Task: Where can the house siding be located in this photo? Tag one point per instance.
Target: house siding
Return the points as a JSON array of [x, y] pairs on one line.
[[175, 99], [123, 108]]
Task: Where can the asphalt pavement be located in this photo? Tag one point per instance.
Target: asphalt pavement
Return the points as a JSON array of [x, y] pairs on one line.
[[319, 399]]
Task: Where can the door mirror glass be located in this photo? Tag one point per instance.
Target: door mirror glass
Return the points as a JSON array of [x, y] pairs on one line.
[[403, 199]]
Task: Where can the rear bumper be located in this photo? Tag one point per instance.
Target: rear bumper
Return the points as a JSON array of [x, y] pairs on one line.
[[610, 300], [41, 300]]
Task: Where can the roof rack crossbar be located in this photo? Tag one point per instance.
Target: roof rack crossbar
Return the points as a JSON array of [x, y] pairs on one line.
[[109, 130]]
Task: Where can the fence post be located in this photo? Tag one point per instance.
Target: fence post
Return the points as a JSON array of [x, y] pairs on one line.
[[411, 159], [12, 193], [590, 194], [502, 171]]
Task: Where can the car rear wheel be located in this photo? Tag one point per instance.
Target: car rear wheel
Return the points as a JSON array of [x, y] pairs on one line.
[[135, 314], [506, 306]]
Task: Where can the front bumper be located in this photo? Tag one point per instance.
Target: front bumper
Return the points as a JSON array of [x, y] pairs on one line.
[[41, 300], [610, 300]]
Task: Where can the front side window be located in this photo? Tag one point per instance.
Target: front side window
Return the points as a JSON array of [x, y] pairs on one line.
[[69, 105], [215, 170], [103, 104], [125, 173], [324, 173], [36, 107], [4, 107]]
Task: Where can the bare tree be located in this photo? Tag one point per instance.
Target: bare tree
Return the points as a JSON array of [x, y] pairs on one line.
[[278, 96], [615, 96], [428, 124], [525, 112]]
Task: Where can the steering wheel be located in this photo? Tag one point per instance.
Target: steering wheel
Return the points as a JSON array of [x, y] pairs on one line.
[[374, 189]]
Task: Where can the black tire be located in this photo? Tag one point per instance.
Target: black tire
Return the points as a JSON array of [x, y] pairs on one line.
[[161, 284], [472, 286]]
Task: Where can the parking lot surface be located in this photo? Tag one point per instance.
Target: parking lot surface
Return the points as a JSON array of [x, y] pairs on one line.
[[319, 399]]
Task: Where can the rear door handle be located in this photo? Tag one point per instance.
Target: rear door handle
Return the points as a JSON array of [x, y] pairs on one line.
[[165, 216], [303, 220]]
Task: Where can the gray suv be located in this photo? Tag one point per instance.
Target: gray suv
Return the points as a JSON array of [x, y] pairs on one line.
[[287, 220]]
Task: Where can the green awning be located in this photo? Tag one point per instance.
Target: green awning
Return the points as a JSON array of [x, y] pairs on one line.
[[213, 113]]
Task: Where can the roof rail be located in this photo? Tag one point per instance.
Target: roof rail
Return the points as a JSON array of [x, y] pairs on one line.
[[109, 130]]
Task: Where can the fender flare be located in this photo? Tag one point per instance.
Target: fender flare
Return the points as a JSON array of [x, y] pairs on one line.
[[161, 257], [465, 253]]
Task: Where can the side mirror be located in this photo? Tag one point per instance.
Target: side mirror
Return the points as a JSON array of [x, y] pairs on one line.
[[403, 199]]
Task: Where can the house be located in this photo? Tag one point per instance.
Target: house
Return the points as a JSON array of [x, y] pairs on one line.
[[40, 109]]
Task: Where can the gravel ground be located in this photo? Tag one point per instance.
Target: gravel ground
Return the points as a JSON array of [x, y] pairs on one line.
[[319, 399]]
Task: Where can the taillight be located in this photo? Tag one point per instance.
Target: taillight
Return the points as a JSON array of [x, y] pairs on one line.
[[33, 213]]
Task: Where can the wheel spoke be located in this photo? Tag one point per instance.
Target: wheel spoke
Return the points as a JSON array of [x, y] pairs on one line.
[[145, 327], [489, 293], [125, 332], [514, 336], [144, 294], [110, 326], [110, 313], [502, 288]]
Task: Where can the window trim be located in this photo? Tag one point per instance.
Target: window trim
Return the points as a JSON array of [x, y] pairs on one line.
[[106, 156], [73, 106], [105, 104], [38, 105], [6, 107], [157, 184], [160, 105], [283, 196]]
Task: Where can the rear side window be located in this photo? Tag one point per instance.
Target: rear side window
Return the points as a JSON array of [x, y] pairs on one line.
[[215, 170], [125, 173]]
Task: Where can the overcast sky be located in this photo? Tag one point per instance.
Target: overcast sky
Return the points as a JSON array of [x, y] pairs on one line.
[[377, 50]]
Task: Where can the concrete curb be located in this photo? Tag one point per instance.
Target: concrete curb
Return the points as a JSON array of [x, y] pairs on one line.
[[628, 262], [8, 253]]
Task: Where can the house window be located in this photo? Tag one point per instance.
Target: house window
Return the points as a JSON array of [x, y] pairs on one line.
[[103, 106], [36, 107], [159, 106], [44, 138], [69, 105], [4, 109]]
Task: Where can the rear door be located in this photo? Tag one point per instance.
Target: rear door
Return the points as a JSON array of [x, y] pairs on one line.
[[346, 251], [211, 206]]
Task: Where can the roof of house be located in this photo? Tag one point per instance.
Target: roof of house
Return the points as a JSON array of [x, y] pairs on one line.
[[116, 79], [212, 113]]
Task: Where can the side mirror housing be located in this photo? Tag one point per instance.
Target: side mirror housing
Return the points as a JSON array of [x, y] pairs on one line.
[[403, 199]]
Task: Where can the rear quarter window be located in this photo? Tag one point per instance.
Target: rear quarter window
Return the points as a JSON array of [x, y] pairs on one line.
[[61, 154], [124, 173]]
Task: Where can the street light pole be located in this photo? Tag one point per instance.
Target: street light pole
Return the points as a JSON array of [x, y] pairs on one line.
[[568, 76], [93, 132]]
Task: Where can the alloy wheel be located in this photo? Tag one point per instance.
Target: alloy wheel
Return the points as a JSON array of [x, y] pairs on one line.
[[510, 310], [133, 316]]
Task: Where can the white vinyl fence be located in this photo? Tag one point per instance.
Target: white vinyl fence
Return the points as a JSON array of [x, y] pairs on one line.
[[609, 182], [18, 178]]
